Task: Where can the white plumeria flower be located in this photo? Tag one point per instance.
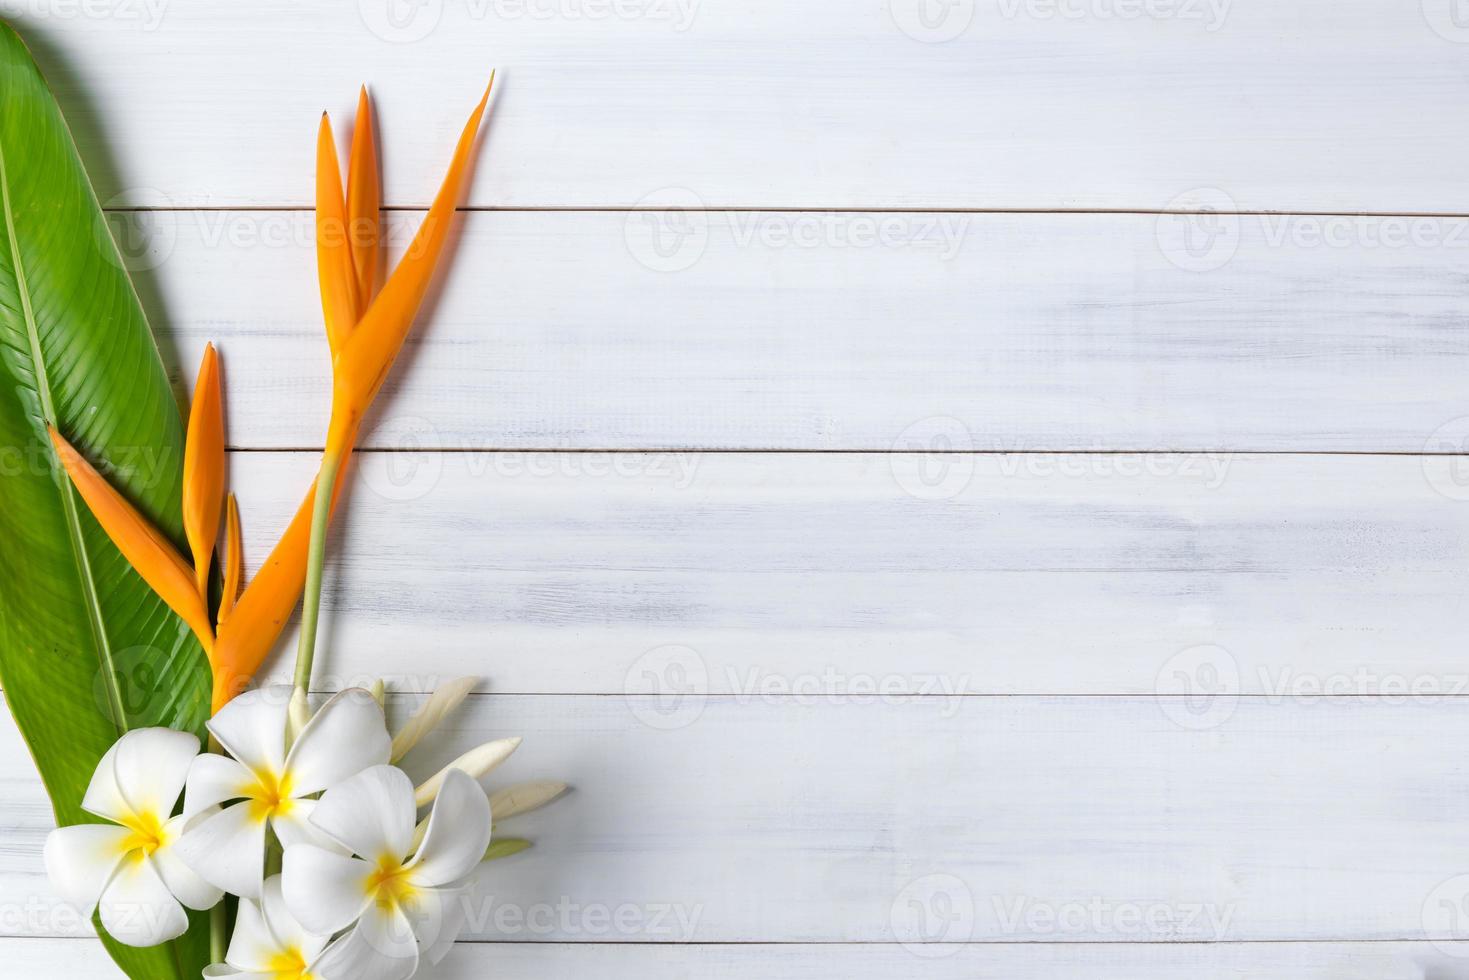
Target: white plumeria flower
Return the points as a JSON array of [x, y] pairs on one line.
[[274, 786], [399, 899], [268, 942], [131, 871]]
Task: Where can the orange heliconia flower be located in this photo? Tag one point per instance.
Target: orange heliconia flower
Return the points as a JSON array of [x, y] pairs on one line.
[[364, 334]]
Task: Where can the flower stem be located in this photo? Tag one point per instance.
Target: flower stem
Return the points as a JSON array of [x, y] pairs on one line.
[[218, 929], [321, 512]]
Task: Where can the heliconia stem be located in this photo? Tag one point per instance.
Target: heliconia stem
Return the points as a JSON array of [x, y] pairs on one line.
[[321, 511]]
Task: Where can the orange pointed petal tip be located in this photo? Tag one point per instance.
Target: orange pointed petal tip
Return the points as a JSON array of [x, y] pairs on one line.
[[363, 362], [203, 496], [233, 560], [364, 202], [334, 269], [145, 548]]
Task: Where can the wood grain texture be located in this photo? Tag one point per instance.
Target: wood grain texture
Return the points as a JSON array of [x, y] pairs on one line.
[[1300, 105], [985, 332], [568, 573], [996, 819], [59, 959]]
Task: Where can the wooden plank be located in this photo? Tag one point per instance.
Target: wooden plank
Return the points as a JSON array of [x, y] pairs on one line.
[[1033, 104], [985, 332], [82, 960], [1005, 819], [565, 573]]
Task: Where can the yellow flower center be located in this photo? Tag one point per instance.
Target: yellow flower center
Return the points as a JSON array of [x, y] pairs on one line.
[[288, 964], [146, 835], [390, 884], [270, 795]]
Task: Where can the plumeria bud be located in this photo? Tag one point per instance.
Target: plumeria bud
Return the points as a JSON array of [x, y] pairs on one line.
[[476, 762], [504, 847], [519, 799], [428, 717], [379, 692]]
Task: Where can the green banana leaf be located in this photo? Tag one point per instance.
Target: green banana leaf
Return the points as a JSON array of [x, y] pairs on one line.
[[87, 651]]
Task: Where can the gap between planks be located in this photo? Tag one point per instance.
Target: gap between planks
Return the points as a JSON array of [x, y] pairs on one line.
[[760, 209]]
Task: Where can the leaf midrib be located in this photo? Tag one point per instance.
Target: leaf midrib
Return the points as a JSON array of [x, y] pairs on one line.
[[93, 602]]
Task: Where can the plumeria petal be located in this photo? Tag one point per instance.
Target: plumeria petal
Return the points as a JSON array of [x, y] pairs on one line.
[[217, 970], [252, 944], [141, 773], [252, 728], [458, 833], [436, 915], [283, 926], [104, 796], [372, 813], [80, 861], [292, 825], [439, 937], [381, 947], [137, 908], [151, 765], [215, 779], [228, 849], [324, 890], [186, 886], [346, 736]]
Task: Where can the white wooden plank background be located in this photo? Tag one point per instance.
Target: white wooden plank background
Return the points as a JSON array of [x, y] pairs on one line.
[[794, 331], [738, 226], [62, 960], [1302, 105], [1085, 574], [1005, 819]]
